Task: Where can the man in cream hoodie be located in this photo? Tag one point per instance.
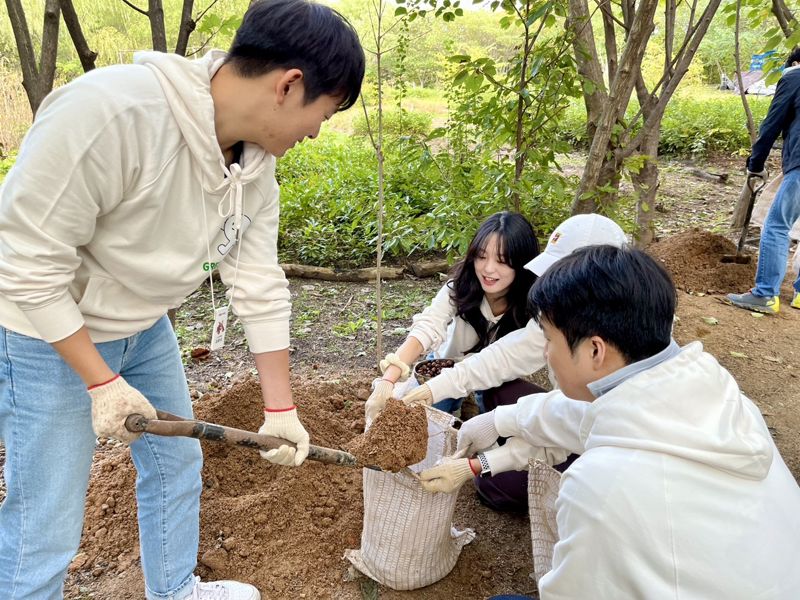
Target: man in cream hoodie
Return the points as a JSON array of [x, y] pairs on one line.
[[132, 185], [679, 491]]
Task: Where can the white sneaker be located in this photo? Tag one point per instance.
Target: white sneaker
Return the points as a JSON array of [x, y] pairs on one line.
[[223, 590]]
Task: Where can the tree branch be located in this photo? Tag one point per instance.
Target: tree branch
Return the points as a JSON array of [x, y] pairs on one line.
[[47, 59], [136, 8], [751, 126], [785, 17], [86, 55], [186, 27]]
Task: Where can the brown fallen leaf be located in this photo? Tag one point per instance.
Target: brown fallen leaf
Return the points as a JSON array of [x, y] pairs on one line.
[[200, 353]]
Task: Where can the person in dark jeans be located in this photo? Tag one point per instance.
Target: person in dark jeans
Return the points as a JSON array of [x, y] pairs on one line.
[[782, 119]]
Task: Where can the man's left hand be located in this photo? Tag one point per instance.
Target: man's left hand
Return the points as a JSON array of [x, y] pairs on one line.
[[285, 424]]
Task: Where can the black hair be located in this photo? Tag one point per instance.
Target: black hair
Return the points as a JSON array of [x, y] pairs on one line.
[[794, 56], [517, 245], [297, 34], [619, 294]]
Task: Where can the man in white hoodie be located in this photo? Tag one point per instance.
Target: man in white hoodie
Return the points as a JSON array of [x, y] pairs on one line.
[[679, 491], [132, 185]]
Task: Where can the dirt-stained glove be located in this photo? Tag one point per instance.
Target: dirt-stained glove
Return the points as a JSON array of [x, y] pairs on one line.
[[514, 455], [479, 433], [112, 402], [284, 424], [762, 174], [419, 395], [448, 476], [381, 392]]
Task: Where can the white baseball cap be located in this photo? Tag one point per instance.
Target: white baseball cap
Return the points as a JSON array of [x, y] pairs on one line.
[[577, 232]]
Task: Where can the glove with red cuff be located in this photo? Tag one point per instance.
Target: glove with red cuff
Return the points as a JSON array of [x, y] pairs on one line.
[[283, 423], [112, 402]]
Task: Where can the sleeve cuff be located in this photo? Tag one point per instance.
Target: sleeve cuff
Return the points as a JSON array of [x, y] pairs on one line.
[[422, 338], [500, 460], [267, 336], [57, 320], [440, 388], [505, 420]]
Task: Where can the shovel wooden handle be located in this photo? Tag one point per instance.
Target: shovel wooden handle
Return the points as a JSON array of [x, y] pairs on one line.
[[172, 425]]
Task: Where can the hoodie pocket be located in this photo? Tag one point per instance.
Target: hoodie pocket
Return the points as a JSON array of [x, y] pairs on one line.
[[108, 300]]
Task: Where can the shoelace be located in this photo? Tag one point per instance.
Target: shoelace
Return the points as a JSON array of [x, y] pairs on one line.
[[208, 591]]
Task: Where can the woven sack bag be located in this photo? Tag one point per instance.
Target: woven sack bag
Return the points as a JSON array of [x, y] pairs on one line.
[[543, 486], [408, 540]]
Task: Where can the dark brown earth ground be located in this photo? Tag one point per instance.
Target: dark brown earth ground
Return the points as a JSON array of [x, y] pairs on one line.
[[285, 530]]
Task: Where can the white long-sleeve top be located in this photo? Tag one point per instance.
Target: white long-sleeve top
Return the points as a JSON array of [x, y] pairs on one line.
[[514, 355], [679, 492], [120, 203], [439, 329]]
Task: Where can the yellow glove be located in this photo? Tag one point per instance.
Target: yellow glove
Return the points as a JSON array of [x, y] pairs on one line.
[[419, 395], [448, 476], [381, 392], [112, 402], [285, 424]]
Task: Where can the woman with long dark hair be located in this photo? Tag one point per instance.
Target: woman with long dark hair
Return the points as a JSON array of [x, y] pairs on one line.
[[485, 300]]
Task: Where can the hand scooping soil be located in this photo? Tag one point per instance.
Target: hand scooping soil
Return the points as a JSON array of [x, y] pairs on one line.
[[397, 438]]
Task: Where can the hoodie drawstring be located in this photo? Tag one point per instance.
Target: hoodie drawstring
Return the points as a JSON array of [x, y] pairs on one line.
[[231, 200]]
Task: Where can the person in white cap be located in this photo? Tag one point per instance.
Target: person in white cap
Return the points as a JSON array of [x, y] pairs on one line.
[[496, 370]]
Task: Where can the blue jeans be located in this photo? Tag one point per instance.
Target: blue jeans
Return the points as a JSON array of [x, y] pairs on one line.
[[46, 426], [774, 247]]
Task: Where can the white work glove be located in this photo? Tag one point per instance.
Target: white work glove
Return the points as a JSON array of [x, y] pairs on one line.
[[479, 433], [760, 174], [515, 453], [112, 402], [381, 392], [419, 395], [284, 424], [448, 476]]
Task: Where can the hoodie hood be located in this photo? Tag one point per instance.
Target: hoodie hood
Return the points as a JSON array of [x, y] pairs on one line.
[[187, 87], [689, 407]]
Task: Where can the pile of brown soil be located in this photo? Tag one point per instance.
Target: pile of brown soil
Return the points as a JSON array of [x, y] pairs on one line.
[[252, 512], [283, 529], [397, 438], [694, 257]]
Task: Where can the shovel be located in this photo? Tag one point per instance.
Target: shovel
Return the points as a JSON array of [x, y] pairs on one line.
[[750, 192], [173, 425]]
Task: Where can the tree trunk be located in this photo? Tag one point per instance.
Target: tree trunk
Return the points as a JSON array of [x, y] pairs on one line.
[[37, 80], [186, 28], [86, 55], [594, 87], [519, 152], [645, 183], [785, 17], [591, 193], [155, 13]]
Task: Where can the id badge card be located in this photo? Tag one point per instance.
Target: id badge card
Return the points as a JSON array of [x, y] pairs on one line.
[[220, 326]]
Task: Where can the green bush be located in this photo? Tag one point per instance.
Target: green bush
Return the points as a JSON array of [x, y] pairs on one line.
[[697, 122], [329, 200], [396, 123], [329, 197]]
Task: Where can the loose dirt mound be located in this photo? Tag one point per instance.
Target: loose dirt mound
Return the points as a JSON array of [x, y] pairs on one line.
[[693, 258], [283, 529], [251, 511], [397, 438]]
